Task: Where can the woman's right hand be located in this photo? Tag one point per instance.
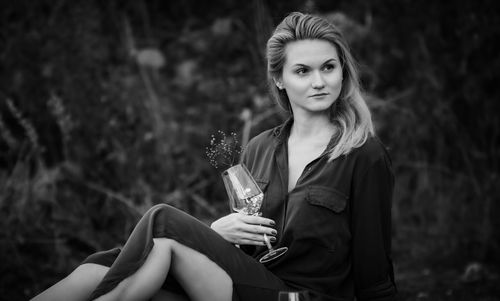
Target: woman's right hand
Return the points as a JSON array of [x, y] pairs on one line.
[[245, 229]]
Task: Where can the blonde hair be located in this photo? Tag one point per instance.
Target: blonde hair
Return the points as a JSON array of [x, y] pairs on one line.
[[349, 112]]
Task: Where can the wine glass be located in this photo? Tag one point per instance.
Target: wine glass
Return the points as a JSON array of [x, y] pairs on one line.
[[293, 296], [246, 197]]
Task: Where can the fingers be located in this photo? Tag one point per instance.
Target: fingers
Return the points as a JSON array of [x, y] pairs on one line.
[[251, 242], [251, 219], [256, 229], [254, 239], [260, 230], [258, 225]]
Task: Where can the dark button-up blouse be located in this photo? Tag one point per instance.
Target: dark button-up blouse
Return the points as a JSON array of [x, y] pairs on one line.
[[336, 222]]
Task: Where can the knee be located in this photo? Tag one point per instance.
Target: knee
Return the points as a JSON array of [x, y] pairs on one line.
[[162, 209], [156, 210], [157, 207], [163, 206], [160, 206]]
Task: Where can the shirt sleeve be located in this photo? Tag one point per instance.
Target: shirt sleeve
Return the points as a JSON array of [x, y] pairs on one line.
[[371, 230]]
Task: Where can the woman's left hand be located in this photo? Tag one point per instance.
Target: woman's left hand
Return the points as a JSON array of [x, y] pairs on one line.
[[244, 229]]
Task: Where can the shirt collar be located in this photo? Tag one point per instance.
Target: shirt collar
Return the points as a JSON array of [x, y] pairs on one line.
[[282, 132]]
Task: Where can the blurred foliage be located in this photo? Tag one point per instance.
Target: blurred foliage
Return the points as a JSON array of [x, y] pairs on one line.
[[107, 107]]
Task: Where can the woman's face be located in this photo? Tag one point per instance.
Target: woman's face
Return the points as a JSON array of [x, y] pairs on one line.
[[312, 76]]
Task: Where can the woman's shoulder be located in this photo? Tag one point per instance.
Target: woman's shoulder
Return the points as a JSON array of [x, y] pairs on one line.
[[265, 136], [264, 139], [372, 150], [276, 134], [259, 147]]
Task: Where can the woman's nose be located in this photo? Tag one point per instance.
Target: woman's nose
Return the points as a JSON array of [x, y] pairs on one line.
[[317, 81]]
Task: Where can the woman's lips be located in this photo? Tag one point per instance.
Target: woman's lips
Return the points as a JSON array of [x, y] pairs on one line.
[[319, 94]]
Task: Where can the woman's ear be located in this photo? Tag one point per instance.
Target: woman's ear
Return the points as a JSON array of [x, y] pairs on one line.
[[278, 83]]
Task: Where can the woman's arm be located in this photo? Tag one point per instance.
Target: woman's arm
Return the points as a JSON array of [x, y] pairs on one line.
[[371, 230]]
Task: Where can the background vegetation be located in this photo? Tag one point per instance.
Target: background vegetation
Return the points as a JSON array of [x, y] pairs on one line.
[[107, 107]]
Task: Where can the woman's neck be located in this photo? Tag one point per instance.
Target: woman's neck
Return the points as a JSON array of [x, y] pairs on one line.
[[312, 128]]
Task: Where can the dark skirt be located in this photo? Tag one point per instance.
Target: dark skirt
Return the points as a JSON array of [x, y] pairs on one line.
[[251, 279]]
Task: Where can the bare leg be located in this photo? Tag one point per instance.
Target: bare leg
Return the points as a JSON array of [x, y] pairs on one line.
[[76, 286], [148, 279], [200, 277]]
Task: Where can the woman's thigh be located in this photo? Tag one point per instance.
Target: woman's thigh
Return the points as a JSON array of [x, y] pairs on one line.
[[175, 224], [248, 275]]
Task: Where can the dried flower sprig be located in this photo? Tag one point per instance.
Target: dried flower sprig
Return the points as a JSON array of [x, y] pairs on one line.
[[223, 150]]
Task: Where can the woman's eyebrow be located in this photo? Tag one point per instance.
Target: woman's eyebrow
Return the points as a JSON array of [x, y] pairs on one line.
[[330, 61], [325, 62]]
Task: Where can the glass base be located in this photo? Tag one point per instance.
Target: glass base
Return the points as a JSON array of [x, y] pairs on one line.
[[273, 254]]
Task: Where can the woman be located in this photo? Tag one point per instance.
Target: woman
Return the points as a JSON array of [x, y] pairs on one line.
[[328, 188]]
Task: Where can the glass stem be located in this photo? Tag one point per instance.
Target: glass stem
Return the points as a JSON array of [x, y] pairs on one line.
[[266, 239], [268, 243]]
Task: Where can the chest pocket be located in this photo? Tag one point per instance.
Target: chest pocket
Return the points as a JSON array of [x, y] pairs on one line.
[[327, 197], [329, 220]]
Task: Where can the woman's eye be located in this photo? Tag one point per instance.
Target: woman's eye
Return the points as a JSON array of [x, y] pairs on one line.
[[301, 71], [329, 67]]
